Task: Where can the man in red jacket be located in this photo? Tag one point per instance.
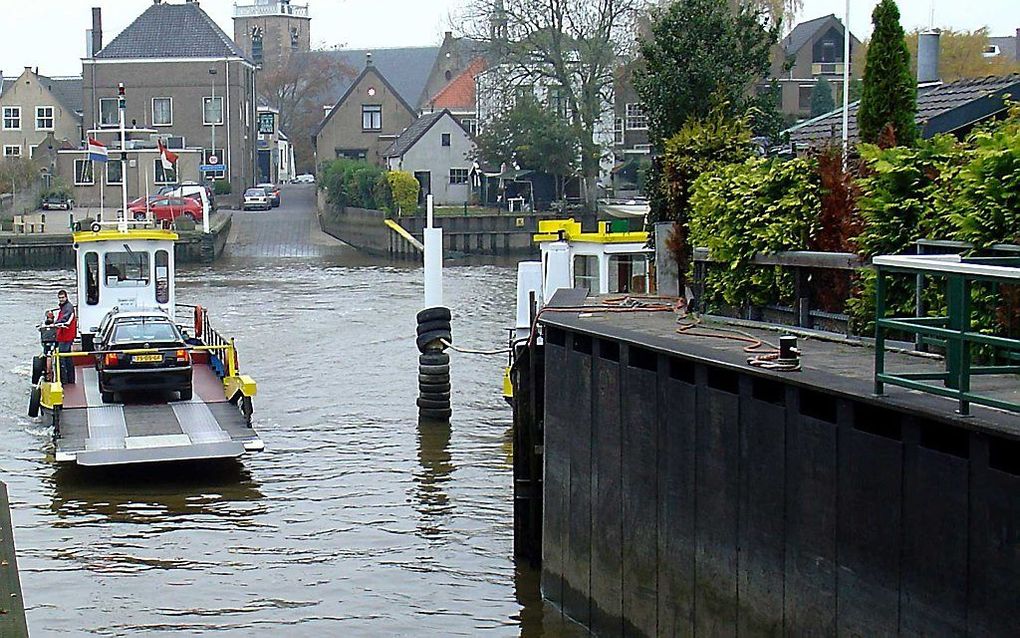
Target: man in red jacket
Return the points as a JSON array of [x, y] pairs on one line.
[[67, 331]]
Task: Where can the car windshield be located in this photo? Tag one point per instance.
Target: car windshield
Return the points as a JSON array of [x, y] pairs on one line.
[[254, 192], [142, 331], [267, 187]]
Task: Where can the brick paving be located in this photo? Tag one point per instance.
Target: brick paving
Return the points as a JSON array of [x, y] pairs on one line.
[[292, 230]]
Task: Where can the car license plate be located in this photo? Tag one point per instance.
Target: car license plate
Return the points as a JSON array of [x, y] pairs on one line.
[[147, 358]]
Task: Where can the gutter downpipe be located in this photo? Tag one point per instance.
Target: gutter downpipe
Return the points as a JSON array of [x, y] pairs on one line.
[[226, 111]]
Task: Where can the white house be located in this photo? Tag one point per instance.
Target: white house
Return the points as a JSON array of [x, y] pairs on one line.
[[439, 151]]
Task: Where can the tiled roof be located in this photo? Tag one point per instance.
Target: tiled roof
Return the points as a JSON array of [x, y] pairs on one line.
[[413, 133], [171, 31], [406, 69], [942, 108], [68, 90], [803, 32], [459, 94]]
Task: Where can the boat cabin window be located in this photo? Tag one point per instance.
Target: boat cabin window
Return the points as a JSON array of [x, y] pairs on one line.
[[91, 279], [586, 272], [127, 270], [628, 273], [162, 276]]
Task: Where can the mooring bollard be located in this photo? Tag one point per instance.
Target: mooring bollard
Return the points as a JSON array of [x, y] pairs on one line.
[[434, 364], [433, 331]]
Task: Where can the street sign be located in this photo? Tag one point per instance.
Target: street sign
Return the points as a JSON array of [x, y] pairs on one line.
[[205, 168], [213, 159]]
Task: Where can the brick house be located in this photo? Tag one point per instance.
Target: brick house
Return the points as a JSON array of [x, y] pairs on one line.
[[34, 106], [187, 83], [813, 49]]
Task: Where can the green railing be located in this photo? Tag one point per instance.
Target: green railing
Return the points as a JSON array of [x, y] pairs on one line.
[[952, 332]]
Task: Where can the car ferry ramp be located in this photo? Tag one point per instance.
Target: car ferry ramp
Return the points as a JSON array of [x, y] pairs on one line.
[[93, 433]]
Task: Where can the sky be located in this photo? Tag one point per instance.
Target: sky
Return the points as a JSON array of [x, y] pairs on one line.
[[50, 34]]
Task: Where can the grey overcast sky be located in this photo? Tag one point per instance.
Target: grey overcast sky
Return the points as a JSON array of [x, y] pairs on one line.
[[50, 34]]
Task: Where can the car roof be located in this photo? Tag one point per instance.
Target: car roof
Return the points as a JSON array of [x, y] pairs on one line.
[[141, 314]]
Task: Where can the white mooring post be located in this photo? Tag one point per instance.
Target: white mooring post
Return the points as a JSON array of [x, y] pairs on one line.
[[433, 259]]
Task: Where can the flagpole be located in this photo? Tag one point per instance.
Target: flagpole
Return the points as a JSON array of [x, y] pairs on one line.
[[846, 85], [148, 211], [102, 188]]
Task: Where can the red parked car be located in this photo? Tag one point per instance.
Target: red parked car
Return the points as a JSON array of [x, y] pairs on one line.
[[168, 208]]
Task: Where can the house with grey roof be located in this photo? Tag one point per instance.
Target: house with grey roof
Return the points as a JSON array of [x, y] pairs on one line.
[[954, 107], [813, 49], [1007, 47], [439, 152], [186, 82], [33, 107]]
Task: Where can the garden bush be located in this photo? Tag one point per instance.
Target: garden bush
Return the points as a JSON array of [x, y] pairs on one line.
[[356, 183], [404, 188]]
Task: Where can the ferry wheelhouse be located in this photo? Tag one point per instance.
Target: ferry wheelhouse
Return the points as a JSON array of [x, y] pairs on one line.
[[110, 413]]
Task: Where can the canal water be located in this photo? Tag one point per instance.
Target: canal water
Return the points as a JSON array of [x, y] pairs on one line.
[[355, 521]]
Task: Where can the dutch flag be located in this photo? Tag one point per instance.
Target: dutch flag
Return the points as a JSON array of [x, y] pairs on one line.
[[97, 151]]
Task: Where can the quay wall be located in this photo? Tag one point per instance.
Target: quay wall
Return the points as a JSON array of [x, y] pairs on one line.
[[56, 250], [473, 235], [687, 498]]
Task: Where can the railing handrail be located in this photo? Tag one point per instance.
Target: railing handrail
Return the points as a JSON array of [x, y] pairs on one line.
[[948, 265]]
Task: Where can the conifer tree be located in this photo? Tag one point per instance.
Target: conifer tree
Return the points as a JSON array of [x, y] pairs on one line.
[[889, 92], [821, 97]]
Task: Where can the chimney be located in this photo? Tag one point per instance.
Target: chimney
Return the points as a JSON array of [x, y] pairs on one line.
[[97, 31], [928, 56], [368, 59]]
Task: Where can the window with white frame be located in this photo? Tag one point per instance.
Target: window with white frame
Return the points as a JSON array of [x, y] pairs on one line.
[[108, 115], [44, 118], [12, 150], [470, 124], [31, 150], [371, 117], [163, 175], [636, 118], [83, 175], [114, 172], [12, 118], [162, 111], [618, 131], [458, 176], [212, 110]]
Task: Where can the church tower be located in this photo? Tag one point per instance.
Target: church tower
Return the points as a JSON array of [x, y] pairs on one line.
[[270, 31]]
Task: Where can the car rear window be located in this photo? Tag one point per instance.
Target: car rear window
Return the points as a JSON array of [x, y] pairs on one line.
[[144, 331], [256, 192]]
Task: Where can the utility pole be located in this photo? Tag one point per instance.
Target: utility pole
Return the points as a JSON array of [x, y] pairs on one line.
[[846, 85], [212, 107], [121, 108]]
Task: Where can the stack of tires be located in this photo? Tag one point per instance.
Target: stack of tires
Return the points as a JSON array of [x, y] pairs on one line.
[[434, 365]]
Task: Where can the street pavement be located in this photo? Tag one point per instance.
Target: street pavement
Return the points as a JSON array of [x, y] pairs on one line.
[[292, 230]]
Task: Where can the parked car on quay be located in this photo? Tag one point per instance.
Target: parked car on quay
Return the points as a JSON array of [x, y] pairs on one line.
[[56, 201], [256, 199], [167, 209], [164, 365], [273, 191], [305, 178]]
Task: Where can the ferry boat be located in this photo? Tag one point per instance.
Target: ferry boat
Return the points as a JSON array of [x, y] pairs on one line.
[[177, 394], [612, 259]]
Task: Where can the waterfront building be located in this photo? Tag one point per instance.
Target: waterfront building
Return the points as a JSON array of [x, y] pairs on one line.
[[34, 107], [438, 151], [270, 32], [186, 83]]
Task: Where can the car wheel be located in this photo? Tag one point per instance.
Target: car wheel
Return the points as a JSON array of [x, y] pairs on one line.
[[107, 397], [139, 217], [189, 217], [186, 394]]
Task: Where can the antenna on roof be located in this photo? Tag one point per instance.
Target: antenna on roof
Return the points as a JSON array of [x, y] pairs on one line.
[[931, 16]]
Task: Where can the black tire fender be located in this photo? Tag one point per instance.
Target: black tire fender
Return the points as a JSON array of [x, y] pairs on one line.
[[34, 401], [430, 337], [435, 370], [442, 397], [434, 359], [427, 388], [38, 368], [435, 414], [433, 379], [430, 314], [435, 324]]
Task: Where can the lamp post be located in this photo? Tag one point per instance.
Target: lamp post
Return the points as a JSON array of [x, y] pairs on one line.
[[212, 107]]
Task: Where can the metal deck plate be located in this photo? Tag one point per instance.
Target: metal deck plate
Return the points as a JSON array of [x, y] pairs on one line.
[[228, 449]]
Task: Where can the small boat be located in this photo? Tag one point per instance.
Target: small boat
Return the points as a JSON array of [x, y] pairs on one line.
[[612, 259], [153, 380]]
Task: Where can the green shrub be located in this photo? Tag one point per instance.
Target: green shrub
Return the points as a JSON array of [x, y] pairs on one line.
[[222, 187], [757, 206], [355, 183], [404, 188]]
